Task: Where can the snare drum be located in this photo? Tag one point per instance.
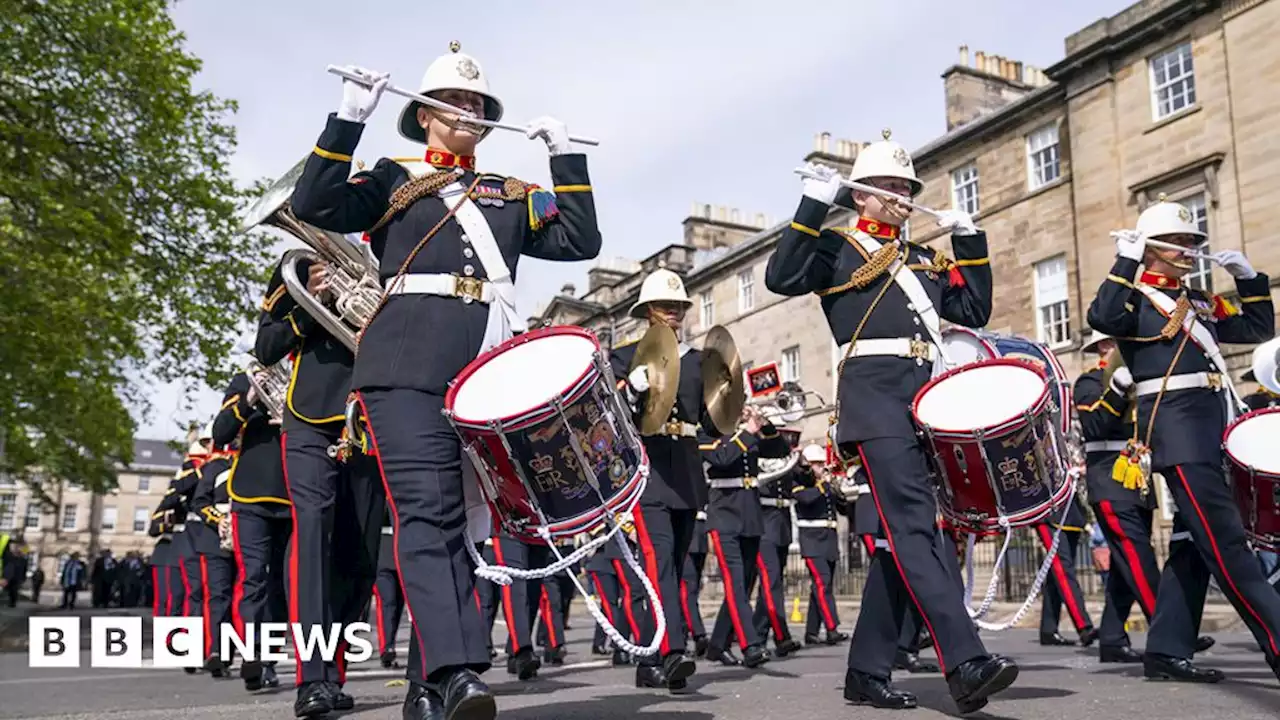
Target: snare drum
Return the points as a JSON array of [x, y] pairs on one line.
[[1253, 464], [994, 444], [532, 413], [964, 346]]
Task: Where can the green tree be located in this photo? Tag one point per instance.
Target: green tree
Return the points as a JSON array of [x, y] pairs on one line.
[[121, 262]]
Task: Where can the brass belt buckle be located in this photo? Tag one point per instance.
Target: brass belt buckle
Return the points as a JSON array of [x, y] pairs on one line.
[[1215, 381], [748, 482], [919, 351], [470, 289]]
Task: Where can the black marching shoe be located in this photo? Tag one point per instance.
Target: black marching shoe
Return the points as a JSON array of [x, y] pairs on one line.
[[700, 643], [341, 700], [388, 659], [313, 700], [1159, 667], [786, 647], [650, 676], [813, 640], [466, 697], [620, 657], [912, 663], [975, 681], [1204, 642], [215, 666], [555, 656], [524, 664], [1055, 640], [269, 678], [755, 656], [677, 668], [724, 657], [835, 637], [422, 704], [1118, 654], [863, 689], [251, 673], [1088, 636], [600, 649]]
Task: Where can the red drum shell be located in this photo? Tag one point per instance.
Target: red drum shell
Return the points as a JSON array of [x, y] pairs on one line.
[[1256, 491]]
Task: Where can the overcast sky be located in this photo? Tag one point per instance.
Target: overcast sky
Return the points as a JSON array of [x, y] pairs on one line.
[[707, 102]]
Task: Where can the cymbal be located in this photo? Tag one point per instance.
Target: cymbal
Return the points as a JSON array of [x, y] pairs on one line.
[[723, 386], [660, 352]]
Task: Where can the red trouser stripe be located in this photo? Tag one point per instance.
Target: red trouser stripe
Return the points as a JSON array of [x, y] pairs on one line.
[[204, 598], [155, 594], [395, 537], [237, 595], [1146, 596], [1060, 578], [684, 603], [1217, 556], [869, 542], [888, 536], [626, 602], [768, 597], [650, 569], [729, 598], [293, 558], [377, 610], [601, 599], [507, 606], [820, 589], [544, 607], [186, 585]]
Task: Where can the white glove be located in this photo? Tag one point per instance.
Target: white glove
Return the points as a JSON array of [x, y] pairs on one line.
[[638, 380], [251, 397], [1122, 380], [823, 190], [959, 221], [1130, 244], [1234, 262], [358, 101], [553, 132]]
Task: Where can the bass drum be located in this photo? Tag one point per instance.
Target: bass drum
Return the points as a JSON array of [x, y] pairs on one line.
[[964, 346]]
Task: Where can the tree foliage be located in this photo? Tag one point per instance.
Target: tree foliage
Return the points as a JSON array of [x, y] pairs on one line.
[[121, 262]]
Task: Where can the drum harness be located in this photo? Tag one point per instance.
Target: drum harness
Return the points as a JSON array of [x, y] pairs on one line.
[[889, 258]]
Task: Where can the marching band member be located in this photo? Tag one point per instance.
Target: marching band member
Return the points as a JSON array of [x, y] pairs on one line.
[[736, 522], [261, 522], [448, 240], [387, 599], [883, 298], [522, 602], [604, 586], [163, 561], [177, 503], [1064, 587], [622, 588], [1168, 335], [1262, 397], [775, 546], [666, 515], [336, 505], [816, 509], [551, 615], [217, 566], [1125, 512], [691, 588]]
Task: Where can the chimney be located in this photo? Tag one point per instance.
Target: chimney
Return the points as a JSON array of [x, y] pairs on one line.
[[709, 227], [569, 290], [988, 84], [839, 155]]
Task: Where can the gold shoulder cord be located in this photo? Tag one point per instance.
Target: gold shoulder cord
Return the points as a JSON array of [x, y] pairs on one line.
[[411, 192], [874, 268]]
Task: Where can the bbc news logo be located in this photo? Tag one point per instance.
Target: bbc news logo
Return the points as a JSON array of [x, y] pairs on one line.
[[179, 642]]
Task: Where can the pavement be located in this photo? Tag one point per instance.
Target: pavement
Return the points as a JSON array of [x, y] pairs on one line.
[[1054, 682]]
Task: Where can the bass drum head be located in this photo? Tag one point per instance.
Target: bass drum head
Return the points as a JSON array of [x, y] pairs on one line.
[[984, 395], [963, 346], [1251, 441], [522, 375]]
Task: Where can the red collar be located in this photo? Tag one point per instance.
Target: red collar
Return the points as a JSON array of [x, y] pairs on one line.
[[1155, 279], [877, 229], [446, 159]]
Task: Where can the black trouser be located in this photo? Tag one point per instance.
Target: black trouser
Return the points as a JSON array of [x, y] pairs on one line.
[[218, 578], [193, 581], [664, 535], [262, 537], [100, 594], [160, 591], [69, 598], [634, 602], [522, 599], [487, 592], [420, 459], [690, 590], [337, 520], [822, 597], [1185, 579], [550, 613], [1135, 573], [605, 588], [1212, 516], [916, 569], [909, 637], [736, 556], [389, 601], [130, 592], [771, 603], [1064, 587]]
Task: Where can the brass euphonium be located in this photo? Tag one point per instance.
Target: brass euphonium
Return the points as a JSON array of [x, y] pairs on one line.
[[271, 384], [353, 275]]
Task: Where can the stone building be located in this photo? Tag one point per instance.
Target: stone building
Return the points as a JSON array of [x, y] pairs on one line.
[[86, 522], [1167, 97]]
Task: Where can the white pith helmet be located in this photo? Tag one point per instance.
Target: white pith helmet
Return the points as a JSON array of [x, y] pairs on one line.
[[454, 71], [1264, 366], [1094, 338], [662, 285], [206, 433], [1168, 218], [885, 159], [196, 449], [814, 453]]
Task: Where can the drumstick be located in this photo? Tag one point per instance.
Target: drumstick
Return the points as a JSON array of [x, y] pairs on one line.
[[470, 117], [1185, 251], [855, 185]]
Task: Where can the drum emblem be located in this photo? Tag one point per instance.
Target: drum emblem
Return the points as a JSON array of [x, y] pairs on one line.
[[617, 471], [1010, 474]]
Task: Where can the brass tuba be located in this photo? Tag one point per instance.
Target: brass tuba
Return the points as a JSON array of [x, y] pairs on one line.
[[353, 274], [271, 387]]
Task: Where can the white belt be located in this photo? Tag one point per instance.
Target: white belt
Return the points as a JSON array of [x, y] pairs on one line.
[[194, 517], [1188, 381], [732, 483], [829, 524], [468, 289], [702, 515], [388, 531], [775, 502], [179, 527], [677, 428], [1105, 445], [893, 347]]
